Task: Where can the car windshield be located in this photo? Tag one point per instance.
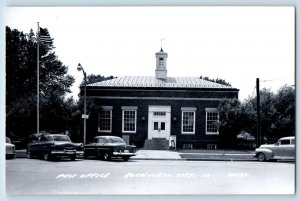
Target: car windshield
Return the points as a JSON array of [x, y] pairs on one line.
[[61, 138], [8, 140], [115, 140], [100, 140]]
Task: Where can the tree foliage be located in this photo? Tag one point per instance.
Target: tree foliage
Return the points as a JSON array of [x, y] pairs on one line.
[[218, 80], [95, 78], [21, 85], [277, 114]]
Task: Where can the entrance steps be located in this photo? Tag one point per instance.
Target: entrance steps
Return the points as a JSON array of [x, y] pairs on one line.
[[156, 144]]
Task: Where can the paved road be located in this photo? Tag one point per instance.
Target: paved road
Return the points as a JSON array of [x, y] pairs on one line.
[[34, 176]]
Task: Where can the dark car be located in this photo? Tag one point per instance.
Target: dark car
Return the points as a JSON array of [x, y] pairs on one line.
[[107, 147], [49, 146]]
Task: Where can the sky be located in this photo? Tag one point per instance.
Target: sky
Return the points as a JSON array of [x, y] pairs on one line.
[[238, 44]]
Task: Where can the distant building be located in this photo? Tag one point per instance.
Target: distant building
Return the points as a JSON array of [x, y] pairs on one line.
[[149, 111]]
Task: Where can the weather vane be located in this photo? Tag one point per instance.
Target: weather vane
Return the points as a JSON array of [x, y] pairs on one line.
[[161, 42]]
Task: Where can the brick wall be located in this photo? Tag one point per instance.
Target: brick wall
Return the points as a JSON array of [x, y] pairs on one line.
[[174, 98]]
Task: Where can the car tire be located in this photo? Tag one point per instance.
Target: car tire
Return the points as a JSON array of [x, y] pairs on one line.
[[106, 156], [73, 157], [9, 156], [261, 157], [47, 156], [125, 158], [99, 154]]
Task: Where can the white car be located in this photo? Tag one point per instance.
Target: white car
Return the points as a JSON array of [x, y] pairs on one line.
[[10, 149], [284, 149]]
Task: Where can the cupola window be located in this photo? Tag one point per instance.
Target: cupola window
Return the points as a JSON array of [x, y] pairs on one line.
[[161, 61]]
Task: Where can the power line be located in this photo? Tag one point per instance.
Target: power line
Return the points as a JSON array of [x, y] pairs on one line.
[[278, 79]]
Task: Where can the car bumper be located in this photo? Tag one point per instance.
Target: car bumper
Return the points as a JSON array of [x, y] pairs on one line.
[[123, 154], [66, 153], [10, 155]]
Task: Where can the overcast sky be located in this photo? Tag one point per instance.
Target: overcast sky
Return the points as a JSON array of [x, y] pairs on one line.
[[238, 44]]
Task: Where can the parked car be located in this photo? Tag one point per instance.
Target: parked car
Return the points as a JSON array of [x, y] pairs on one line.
[[283, 149], [107, 147], [49, 146], [10, 149]]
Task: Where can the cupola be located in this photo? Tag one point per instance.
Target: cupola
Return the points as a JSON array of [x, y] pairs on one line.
[[161, 64]]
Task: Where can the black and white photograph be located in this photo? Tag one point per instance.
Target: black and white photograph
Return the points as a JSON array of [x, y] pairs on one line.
[[150, 100]]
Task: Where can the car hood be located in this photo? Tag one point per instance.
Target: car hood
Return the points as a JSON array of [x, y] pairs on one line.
[[267, 145], [9, 145]]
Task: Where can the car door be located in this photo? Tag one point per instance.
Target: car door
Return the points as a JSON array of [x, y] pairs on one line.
[[289, 151], [44, 145], [91, 149], [282, 149], [35, 146]]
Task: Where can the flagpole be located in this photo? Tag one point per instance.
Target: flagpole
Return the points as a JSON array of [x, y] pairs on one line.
[[38, 81]]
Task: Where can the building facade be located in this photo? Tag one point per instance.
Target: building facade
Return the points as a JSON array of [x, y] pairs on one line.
[[153, 112]]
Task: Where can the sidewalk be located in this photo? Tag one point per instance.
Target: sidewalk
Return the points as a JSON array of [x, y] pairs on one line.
[[222, 155], [156, 155], [215, 155], [191, 154]]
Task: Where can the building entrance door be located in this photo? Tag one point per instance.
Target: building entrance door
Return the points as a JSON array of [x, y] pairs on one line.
[[159, 124]]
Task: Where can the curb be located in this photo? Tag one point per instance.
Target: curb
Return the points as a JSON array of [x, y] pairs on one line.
[[210, 159], [196, 159], [159, 159]]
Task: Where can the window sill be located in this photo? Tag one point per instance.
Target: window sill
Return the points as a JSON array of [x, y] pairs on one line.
[[128, 132], [100, 131], [212, 133], [187, 133]]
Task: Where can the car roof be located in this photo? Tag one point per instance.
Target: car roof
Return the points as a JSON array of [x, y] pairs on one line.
[[107, 136], [55, 134], [288, 138]]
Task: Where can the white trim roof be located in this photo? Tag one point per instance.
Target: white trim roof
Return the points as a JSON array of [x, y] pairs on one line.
[[152, 82]]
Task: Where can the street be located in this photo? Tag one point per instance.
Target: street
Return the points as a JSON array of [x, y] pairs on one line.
[[34, 176]]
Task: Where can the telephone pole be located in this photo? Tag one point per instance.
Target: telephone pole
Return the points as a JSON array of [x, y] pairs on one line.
[[258, 133]]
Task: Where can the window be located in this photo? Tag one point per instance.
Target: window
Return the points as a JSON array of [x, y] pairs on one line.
[[293, 141], [105, 121], [155, 126], [163, 126], [161, 61], [60, 138], [43, 139], [100, 140], [212, 119], [284, 142], [188, 122], [129, 121], [159, 113]]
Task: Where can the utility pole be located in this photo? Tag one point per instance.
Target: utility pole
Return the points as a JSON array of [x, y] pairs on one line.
[[38, 80], [258, 134], [84, 116]]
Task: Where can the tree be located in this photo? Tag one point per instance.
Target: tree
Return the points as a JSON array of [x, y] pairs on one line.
[[95, 78], [277, 114], [21, 85], [284, 116], [218, 80], [232, 116]]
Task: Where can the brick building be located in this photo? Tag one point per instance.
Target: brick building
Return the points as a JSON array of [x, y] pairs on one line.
[[149, 111]]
